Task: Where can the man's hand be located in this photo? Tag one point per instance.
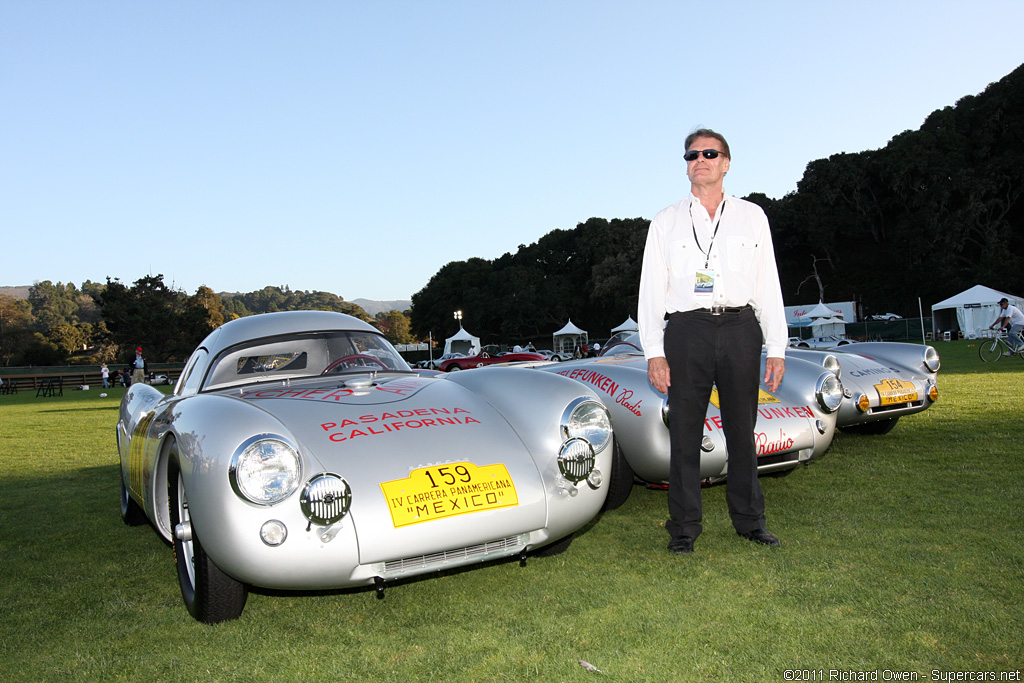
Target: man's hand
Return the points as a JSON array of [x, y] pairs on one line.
[[657, 372], [774, 369]]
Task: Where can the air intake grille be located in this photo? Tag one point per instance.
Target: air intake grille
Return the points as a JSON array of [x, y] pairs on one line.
[[456, 557], [326, 499]]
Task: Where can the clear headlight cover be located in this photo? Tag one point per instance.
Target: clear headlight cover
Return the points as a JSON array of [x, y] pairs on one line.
[[265, 470], [830, 362], [931, 359], [586, 418], [829, 392]]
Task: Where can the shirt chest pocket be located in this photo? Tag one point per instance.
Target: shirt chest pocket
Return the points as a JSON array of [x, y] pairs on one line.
[[741, 253], [684, 258]]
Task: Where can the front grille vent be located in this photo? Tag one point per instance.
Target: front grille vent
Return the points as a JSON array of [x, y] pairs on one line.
[[896, 406], [456, 557]]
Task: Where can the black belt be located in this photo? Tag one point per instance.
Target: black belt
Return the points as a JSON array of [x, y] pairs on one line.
[[721, 310]]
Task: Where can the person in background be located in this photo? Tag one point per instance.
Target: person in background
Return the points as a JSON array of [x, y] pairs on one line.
[[105, 375], [138, 366], [1010, 316]]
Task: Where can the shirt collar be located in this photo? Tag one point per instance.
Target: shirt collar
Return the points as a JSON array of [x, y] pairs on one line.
[[725, 199]]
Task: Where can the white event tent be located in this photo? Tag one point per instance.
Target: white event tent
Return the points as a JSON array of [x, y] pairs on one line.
[[566, 339], [826, 322], [461, 342], [628, 326], [971, 311]]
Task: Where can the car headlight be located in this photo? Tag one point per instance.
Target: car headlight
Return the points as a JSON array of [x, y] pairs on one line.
[[265, 470], [831, 363], [586, 418], [931, 359], [829, 392]]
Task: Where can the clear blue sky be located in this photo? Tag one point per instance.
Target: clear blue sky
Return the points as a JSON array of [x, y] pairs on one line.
[[357, 147]]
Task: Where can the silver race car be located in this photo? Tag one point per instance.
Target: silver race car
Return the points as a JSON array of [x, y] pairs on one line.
[[299, 451], [794, 424], [883, 381]]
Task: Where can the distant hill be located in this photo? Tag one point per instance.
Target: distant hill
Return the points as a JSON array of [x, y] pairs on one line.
[[16, 292], [375, 307], [368, 305]]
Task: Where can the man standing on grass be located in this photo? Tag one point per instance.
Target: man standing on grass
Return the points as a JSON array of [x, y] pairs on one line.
[[138, 366], [709, 269]]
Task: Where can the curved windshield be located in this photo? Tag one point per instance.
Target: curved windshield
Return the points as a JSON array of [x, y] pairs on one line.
[[303, 355]]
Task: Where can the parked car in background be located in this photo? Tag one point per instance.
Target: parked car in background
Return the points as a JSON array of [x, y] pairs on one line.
[[436, 362], [884, 316], [794, 424], [882, 381], [483, 359], [159, 379], [827, 342], [298, 451], [555, 355]]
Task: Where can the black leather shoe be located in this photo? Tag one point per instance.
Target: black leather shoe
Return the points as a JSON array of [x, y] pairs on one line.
[[760, 536], [681, 546]]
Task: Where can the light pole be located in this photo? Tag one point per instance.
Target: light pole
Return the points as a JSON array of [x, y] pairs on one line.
[[458, 316]]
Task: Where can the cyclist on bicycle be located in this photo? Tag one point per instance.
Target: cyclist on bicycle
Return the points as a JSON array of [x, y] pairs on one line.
[[1010, 316]]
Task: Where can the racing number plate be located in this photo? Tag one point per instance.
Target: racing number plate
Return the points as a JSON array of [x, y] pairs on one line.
[[762, 397], [895, 391], [441, 491]]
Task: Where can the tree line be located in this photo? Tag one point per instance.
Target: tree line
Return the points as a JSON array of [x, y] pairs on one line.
[[102, 323], [935, 211]]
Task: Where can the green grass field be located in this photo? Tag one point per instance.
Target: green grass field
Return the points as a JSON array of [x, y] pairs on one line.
[[902, 554]]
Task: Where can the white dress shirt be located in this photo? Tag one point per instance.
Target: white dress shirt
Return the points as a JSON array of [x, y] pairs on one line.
[[739, 254]]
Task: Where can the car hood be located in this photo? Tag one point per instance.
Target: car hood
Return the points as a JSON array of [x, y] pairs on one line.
[[376, 432]]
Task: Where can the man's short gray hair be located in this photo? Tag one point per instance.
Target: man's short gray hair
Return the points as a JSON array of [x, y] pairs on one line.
[[708, 133]]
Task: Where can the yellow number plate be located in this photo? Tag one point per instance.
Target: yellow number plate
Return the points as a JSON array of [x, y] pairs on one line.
[[441, 491], [762, 397], [894, 391]]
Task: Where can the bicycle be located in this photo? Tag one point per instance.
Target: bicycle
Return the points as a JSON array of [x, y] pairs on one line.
[[991, 350]]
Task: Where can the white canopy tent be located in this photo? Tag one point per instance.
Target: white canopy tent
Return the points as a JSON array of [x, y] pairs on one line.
[[461, 342], [628, 326], [971, 311], [833, 326], [822, 311], [566, 339]]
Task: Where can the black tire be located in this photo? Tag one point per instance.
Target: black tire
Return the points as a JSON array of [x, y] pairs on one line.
[[131, 513], [210, 595], [990, 350], [876, 428], [556, 548], [620, 480], [453, 367]]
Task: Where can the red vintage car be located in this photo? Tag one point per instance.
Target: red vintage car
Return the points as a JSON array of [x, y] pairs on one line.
[[482, 359]]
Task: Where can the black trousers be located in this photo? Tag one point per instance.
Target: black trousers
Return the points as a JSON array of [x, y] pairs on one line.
[[725, 351]]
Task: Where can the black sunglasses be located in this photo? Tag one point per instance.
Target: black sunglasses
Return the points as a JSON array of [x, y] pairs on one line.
[[708, 154]]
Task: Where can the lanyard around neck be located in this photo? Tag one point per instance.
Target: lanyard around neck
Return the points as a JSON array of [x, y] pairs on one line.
[[714, 233]]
